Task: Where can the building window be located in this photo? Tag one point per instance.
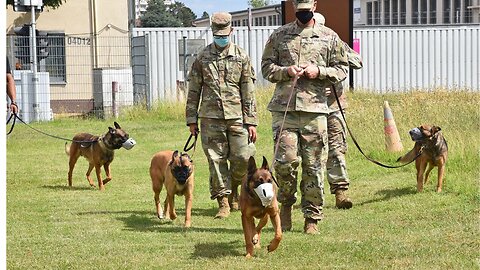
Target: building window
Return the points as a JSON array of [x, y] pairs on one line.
[[369, 13], [403, 12], [394, 11], [457, 10], [446, 11], [433, 11], [54, 64], [423, 14], [415, 13], [386, 12], [468, 11], [376, 7]]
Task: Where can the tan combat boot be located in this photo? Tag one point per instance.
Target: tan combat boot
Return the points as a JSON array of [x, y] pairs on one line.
[[310, 226], [286, 217], [233, 200], [341, 200], [223, 208]]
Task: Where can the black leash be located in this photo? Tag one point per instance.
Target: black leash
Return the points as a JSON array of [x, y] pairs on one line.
[[187, 148], [15, 116], [358, 146]]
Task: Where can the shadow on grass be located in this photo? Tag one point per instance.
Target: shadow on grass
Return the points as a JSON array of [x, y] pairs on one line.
[[146, 221], [62, 187], [388, 194], [216, 250]]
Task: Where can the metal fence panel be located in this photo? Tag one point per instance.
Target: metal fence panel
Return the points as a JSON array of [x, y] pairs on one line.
[[402, 59]]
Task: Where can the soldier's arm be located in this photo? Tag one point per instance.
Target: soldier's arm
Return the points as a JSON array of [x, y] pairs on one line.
[[337, 67], [270, 68], [249, 104], [195, 82]]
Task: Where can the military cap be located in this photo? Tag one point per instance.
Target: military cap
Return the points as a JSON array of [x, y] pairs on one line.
[[304, 4], [221, 23]]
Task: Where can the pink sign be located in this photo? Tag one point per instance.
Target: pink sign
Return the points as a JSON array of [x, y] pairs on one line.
[[356, 45]]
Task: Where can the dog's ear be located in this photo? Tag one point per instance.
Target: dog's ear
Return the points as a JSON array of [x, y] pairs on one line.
[[265, 164], [252, 166], [117, 126], [174, 155], [436, 129]]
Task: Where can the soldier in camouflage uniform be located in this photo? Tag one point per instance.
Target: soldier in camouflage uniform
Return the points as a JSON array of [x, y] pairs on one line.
[[337, 137], [316, 54], [221, 95]]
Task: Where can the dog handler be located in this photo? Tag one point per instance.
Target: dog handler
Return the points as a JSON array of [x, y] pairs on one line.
[[337, 137], [221, 96], [316, 55]]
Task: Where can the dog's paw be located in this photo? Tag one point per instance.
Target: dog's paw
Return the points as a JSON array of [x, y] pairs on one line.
[[160, 216], [248, 256]]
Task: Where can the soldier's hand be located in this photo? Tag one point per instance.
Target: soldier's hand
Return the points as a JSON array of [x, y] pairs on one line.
[[252, 134], [294, 71], [194, 129], [310, 71]]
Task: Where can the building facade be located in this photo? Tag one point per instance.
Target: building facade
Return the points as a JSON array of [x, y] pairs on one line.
[[416, 12], [265, 16]]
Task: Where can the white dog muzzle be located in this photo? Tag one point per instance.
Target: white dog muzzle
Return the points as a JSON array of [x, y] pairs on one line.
[[129, 144], [265, 193]]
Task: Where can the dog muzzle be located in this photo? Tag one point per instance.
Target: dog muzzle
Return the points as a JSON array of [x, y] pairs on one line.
[[129, 144], [265, 193], [416, 134]]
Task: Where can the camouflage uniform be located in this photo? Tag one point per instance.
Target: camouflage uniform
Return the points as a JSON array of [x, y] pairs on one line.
[[221, 94], [304, 137], [337, 138]]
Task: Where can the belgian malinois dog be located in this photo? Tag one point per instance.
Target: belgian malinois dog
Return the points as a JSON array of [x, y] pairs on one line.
[[258, 199], [431, 149], [175, 171], [98, 150]]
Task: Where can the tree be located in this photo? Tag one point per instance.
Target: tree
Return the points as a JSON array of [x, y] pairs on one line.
[[183, 13], [157, 15], [205, 15], [258, 3], [48, 3]]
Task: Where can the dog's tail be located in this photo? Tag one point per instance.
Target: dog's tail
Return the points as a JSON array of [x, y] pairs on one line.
[[408, 157], [67, 149]]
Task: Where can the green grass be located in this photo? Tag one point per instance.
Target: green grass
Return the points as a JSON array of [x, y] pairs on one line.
[[51, 226]]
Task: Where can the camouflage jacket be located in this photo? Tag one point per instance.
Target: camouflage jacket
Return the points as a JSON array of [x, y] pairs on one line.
[[355, 62], [289, 46], [220, 86]]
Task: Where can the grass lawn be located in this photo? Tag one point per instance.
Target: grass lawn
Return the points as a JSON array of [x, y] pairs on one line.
[[391, 226]]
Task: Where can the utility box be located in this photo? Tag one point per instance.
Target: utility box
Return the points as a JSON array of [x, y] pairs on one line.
[[33, 105], [102, 90]]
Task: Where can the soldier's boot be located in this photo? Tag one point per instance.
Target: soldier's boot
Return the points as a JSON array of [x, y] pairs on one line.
[[286, 217], [233, 200], [223, 208], [341, 200], [310, 226]]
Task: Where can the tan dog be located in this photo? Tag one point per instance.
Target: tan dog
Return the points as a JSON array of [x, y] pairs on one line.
[[176, 172], [433, 150], [98, 150], [258, 199]]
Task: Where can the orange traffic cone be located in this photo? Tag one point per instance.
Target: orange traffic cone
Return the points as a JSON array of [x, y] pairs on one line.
[[392, 138]]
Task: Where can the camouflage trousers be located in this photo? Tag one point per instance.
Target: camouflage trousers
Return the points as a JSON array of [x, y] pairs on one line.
[[225, 143], [337, 147], [303, 140]]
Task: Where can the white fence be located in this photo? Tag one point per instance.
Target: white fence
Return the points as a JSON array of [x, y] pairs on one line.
[[395, 59]]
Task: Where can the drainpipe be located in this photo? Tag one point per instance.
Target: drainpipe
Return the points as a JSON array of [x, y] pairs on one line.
[[93, 15]]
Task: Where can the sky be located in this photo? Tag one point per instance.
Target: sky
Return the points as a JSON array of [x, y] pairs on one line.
[[211, 6]]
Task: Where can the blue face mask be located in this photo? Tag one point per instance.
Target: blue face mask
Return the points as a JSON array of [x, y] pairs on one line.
[[221, 41]]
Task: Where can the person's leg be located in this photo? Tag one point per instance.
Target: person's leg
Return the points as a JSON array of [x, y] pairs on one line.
[[286, 164], [240, 152], [336, 165], [314, 152], [215, 146]]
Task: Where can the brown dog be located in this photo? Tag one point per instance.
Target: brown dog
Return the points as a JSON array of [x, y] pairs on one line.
[[98, 150], [431, 149], [258, 200], [176, 172]]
